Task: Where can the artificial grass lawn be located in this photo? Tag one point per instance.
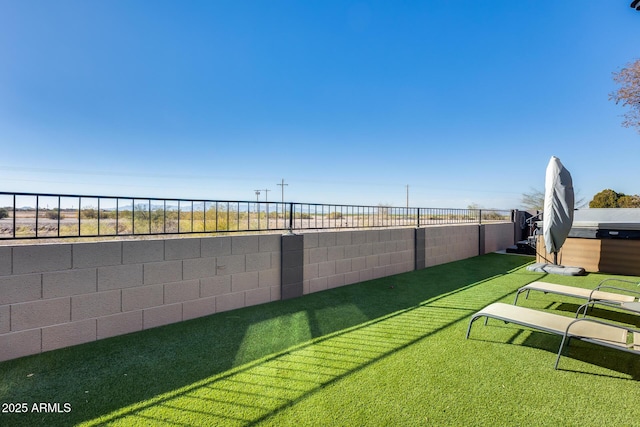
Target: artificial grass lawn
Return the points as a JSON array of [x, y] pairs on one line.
[[389, 351]]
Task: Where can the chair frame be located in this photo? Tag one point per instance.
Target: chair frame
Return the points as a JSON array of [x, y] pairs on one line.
[[567, 335], [600, 286]]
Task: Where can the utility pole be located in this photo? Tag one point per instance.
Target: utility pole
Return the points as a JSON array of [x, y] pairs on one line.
[[407, 196], [257, 195], [282, 184], [265, 194]]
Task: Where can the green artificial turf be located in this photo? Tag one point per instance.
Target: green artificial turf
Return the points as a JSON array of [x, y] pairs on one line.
[[389, 351]]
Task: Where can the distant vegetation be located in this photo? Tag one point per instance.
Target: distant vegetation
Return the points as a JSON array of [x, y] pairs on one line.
[[534, 200], [628, 94], [206, 217], [612, 199], [53, 214]]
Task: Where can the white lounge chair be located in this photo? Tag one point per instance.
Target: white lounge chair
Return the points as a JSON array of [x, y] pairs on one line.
[[585, 329], [589, 294]]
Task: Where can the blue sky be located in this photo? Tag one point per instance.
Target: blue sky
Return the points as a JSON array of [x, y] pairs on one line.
[[348, 102]]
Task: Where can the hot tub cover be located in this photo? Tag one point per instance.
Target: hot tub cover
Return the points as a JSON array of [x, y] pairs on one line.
[[610, 219]]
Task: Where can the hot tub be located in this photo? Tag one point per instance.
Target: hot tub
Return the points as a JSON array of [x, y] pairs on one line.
[[601, 240], [606, 224]]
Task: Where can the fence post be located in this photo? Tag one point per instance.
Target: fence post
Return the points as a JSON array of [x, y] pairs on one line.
[[290, 217], [418, 221], [37, 211], [480, 216], [420, 250], [14, 216], [514, 219], [291, 266]]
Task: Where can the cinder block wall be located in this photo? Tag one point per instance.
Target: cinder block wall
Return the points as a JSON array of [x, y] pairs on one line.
[[449, 243], [335, 259], [498, 236], [59, 295]]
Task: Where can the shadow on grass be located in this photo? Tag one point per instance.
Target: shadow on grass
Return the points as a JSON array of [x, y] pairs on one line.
[[240, 367], [625, 317], [614, 360]]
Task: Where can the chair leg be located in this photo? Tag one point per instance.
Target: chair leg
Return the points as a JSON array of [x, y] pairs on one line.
[[564, 338], [518, 292], [473, 319], [583, 308]]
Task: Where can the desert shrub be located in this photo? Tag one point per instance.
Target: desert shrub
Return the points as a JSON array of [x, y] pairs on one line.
[[89, 213], [4, 213], [493, 216], [53, 214]]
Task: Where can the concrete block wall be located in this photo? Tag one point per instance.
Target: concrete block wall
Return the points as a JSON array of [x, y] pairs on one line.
[[58, 295], [333, 259], [449, 243], [498, 236]]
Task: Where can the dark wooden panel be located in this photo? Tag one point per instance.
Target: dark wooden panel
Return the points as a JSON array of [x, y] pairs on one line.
[[620, 257], [616, 256]]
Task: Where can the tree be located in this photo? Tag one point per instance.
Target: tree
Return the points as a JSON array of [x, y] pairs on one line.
[[605, 199], [612, 199], [384, 209], [629, 93], [629, 201], [534, 200]]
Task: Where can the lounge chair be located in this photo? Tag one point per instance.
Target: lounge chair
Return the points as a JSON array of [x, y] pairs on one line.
[[585, 329], [633, 306], [588, 294]]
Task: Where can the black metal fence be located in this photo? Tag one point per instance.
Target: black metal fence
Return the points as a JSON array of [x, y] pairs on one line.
[[35, 216]]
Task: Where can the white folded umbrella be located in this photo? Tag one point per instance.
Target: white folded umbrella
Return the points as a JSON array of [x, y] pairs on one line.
[[558, 207]]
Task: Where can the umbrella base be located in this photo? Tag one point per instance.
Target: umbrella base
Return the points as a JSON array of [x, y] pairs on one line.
[[540, 267]]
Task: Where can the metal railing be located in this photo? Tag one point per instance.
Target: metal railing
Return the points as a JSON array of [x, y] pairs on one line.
[[36, 216]]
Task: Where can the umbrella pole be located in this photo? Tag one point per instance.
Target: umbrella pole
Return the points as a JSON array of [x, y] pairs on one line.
[[555, 258]]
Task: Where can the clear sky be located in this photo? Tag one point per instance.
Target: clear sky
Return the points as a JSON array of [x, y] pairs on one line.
[[348, 102]]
